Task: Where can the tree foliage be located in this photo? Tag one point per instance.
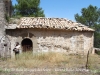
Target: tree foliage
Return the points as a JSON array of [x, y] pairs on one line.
[[28, 8], [90, 16]]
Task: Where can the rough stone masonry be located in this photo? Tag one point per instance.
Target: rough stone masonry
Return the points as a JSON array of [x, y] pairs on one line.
[[40, 34]]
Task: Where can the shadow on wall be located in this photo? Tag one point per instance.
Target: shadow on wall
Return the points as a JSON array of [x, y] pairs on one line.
[[27, 45]]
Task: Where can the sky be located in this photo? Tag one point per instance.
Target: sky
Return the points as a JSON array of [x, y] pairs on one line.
[[64, 8]]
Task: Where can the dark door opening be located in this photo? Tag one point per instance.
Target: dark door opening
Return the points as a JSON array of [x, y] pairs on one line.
[[27, 45]]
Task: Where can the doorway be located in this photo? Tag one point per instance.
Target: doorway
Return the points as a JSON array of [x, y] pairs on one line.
[[27, 45]]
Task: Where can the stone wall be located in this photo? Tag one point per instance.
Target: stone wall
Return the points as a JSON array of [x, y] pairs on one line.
[[2, 18], [4, 42], [53, 40]]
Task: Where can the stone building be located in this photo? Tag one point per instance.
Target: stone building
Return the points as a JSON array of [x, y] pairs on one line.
[[40, 34]]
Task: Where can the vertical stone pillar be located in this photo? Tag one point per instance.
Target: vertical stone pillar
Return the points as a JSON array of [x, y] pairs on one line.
[[2, 18], [2, 29]]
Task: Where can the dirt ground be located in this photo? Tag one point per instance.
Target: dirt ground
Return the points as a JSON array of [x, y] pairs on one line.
[[49, 73]]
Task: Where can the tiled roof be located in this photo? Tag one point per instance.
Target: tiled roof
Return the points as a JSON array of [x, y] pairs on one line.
[[51, 23]]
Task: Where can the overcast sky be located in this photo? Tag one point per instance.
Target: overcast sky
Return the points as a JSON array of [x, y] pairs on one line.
[[65, 8]]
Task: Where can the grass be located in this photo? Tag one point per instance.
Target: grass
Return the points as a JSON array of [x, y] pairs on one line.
[[51, 60], [94, 62], [29, 60]]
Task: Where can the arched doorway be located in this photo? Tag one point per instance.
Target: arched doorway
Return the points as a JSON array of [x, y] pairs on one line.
[[27, 45]]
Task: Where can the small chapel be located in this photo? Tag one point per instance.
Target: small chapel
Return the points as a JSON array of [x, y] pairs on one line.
[[41, 34]]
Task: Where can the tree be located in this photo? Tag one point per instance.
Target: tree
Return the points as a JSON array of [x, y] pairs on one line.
[[28, 8], [90, 16]]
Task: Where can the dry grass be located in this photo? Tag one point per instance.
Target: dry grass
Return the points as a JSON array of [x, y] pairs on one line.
[[94, 62], [29, 60], [51, 60]]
